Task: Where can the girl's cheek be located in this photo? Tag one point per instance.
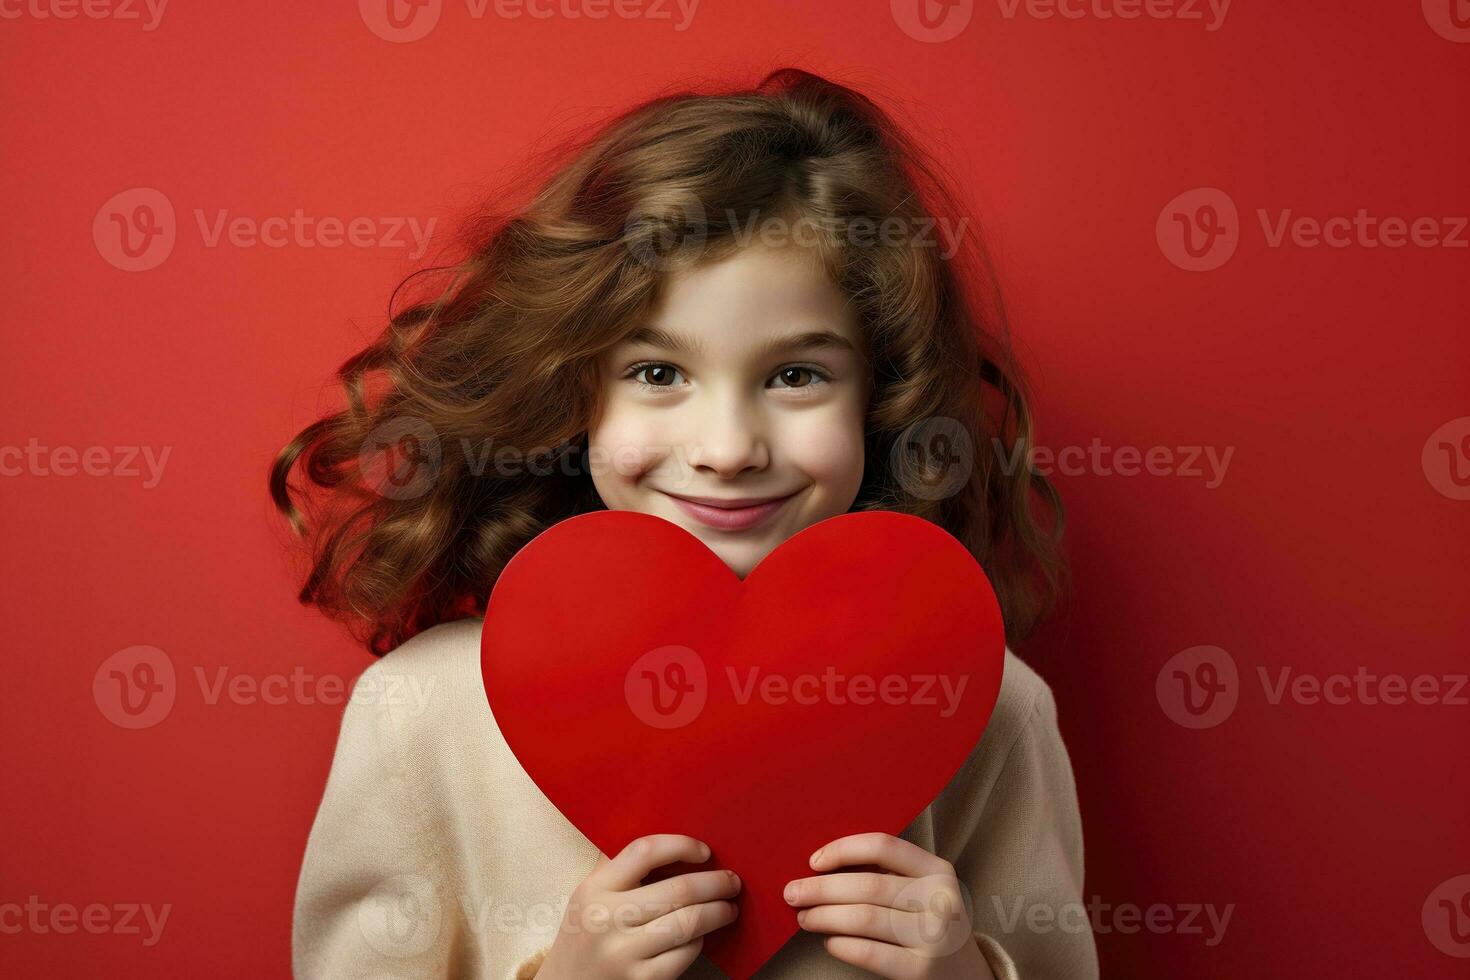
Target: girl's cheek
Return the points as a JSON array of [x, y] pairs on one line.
[[827, 446], [625, 445]]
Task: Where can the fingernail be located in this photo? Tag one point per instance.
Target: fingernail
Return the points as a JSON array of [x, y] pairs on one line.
[[790, 893], [704, 850], [801, 917], [816, 857]]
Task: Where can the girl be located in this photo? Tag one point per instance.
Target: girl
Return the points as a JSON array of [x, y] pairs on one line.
[[738, 312]]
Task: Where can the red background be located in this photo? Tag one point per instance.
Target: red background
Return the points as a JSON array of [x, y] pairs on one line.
[[1326, 548]]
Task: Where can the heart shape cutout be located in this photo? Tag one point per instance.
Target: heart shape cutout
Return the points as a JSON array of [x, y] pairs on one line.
[[836, 689]]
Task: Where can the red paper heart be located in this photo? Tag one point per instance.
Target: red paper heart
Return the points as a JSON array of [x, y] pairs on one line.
[[591, 624]]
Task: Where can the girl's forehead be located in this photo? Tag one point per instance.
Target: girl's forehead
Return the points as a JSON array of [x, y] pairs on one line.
[[754, 292]]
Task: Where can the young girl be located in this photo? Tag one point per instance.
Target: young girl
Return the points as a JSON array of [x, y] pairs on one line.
[[743, 312]]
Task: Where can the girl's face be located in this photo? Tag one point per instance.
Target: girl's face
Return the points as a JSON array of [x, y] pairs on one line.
[[737, 410]]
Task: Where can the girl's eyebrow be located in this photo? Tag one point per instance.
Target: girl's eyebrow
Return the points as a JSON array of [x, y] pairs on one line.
[[655, 337], [806, 340]]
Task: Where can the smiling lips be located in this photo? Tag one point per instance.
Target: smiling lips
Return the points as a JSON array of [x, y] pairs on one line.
[[735, 514]]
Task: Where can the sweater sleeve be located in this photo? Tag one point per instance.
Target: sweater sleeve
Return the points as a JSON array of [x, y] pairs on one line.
[[1023, 862], [373, 897]]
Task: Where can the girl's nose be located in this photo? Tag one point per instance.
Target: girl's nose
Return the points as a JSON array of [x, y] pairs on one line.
[[729, 438]]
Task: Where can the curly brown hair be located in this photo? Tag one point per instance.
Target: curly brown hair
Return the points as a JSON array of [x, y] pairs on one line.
[[506, 352]]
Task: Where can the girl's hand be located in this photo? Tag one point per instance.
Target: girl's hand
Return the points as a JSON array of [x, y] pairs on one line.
[[910, 923], [616, 929]]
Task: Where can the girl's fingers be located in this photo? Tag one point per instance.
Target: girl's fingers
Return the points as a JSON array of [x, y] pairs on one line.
[[868, 921], [884, 959], [678, 927], [633, 863], [691, 888], [886, 851], [673, 962], [855, 888]]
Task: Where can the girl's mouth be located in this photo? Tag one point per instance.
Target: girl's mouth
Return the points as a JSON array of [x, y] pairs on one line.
[[736, 514]]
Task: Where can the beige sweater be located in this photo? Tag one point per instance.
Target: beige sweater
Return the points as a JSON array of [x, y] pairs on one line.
[[434, 855]]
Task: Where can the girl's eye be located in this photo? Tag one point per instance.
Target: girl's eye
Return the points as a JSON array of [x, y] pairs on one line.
[[660, 375], [793, 377]]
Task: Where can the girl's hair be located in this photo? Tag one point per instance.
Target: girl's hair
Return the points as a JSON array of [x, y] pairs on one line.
[[482, 390]]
